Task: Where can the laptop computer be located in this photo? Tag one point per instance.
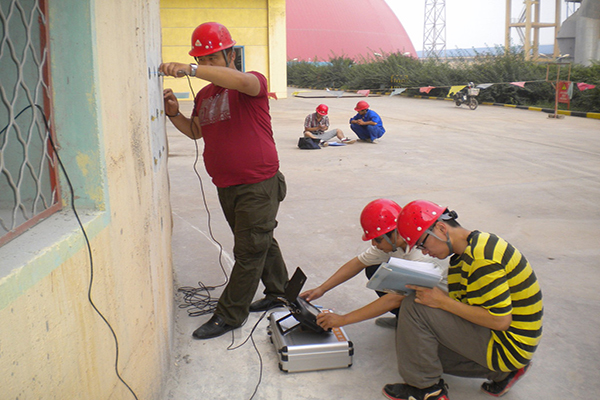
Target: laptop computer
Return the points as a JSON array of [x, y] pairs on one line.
[[304, 312]]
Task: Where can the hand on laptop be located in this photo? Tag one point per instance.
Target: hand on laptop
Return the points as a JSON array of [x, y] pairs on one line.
[[329, 320], [312, 294]]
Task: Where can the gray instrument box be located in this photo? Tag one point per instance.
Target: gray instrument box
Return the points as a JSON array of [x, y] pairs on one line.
[[299, 349]]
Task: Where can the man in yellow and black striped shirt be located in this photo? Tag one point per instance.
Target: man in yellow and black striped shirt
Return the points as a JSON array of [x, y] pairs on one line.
[[488, 325], [492, 274]]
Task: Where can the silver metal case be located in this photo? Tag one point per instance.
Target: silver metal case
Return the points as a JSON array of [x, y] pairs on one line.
[[299, 349]]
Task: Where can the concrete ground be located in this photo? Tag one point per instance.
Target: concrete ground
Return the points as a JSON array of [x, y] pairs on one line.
[[528, 178]]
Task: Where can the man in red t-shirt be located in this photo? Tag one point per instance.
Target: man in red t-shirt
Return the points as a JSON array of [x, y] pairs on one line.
[[232, 115]]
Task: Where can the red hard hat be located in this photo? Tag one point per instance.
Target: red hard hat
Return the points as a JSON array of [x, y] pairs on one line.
[[322, 109], [210, 37], [378, 218], [361, 105], [416, 217]]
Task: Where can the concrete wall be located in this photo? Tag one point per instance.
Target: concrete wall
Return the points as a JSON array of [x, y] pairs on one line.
[[579, 35], [109, 124], [258, 25]]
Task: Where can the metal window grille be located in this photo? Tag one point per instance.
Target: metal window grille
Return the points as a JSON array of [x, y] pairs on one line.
[[29, 188]]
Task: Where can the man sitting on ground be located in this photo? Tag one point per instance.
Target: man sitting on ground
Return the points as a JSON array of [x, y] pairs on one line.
[[366, 123], [316, 127]]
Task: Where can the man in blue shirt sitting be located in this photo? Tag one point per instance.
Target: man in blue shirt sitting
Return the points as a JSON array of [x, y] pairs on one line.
[[367, 123]]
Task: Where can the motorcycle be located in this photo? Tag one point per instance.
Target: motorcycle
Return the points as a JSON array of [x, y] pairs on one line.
[[467, 97]]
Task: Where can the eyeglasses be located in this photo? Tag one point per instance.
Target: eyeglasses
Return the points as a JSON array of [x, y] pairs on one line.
[[421, 246]]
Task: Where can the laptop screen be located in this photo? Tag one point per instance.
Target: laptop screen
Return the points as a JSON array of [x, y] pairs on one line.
[[294, 285], [304, 312]]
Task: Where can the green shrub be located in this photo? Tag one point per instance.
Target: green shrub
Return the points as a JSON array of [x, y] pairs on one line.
[[496, 66]]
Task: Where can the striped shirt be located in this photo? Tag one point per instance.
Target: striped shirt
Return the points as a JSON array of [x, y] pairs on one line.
[[492, 274]]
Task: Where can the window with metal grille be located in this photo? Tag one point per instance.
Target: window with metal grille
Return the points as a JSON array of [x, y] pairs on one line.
[[240, 61], [29, 188]]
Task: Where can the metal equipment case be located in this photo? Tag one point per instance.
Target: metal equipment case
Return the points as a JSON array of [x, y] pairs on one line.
[[304, 350]]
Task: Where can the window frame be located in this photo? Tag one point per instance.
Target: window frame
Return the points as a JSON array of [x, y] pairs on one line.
[[240, 58], [53, 167]]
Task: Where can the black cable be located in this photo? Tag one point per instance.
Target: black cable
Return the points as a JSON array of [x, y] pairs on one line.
[[251, 337], [87, 241], [198, 301], [17, 116]]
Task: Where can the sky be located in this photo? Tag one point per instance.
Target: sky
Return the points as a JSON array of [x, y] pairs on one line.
[[472, 23]]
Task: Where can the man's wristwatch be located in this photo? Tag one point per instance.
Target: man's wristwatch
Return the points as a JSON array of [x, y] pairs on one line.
[[194, 67]]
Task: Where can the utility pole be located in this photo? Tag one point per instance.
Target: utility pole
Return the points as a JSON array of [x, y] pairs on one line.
[[434, 29]]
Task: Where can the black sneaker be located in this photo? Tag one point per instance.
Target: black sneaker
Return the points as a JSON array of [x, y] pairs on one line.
[[498, 389], [402, 391]]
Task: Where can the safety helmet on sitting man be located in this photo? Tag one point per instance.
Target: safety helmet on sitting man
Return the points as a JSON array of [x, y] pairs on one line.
[[361, 105], [322, 109], [419, 217], [209, 38], [378, 218]]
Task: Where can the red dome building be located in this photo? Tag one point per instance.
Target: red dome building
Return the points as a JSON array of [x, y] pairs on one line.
[[322, 29]]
